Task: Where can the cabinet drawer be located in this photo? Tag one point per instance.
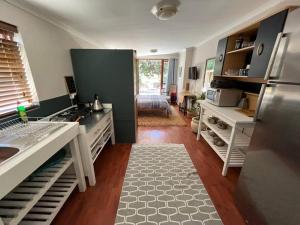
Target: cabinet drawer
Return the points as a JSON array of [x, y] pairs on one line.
[[94, 133]]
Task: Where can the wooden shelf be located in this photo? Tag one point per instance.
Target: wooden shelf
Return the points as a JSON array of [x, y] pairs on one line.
[[242, 50], [257, 80]]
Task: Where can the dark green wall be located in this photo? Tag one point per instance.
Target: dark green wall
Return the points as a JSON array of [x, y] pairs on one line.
[[109, 73], [46, 108], [50, 106]]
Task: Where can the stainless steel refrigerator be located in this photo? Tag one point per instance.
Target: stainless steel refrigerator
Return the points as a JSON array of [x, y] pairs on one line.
[[268, 191]]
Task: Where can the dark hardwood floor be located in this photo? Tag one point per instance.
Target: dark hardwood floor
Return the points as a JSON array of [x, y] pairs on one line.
[[98, 205]]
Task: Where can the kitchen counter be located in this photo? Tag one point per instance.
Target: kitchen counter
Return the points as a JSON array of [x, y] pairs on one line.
[[15, 170], [230, 114], [89, 122]]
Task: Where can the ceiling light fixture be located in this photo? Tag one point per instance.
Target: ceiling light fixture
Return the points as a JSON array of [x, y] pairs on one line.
[[165, 9]]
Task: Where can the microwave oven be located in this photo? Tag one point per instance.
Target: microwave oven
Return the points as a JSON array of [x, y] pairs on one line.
[[223, 96]]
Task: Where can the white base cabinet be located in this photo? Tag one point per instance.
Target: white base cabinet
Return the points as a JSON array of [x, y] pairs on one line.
[[93, 138]]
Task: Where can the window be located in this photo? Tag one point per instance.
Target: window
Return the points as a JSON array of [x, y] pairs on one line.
[[153, 75], [16, 83]]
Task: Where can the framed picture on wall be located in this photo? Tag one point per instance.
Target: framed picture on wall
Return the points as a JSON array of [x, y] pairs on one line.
[[208, 72]]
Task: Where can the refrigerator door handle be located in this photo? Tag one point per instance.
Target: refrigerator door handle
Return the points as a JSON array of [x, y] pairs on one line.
[[260, 107], [276, 63], [273, 56]]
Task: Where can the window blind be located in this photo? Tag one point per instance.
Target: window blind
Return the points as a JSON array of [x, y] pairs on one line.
[[14, 86]]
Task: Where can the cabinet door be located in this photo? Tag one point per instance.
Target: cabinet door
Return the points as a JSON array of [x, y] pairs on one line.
[[265, 40], [221, 50]]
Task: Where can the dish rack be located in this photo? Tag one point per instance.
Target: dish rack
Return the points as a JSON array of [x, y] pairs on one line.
[[23, 135]]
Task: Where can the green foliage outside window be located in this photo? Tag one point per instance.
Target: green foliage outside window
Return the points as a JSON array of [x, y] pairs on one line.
[[149, 68]]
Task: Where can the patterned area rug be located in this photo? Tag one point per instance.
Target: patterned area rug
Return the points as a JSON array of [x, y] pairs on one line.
[[157, 119], [162, 187]]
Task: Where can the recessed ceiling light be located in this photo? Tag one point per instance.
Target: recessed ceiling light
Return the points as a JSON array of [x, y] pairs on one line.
[[165, 9], [154, 50]]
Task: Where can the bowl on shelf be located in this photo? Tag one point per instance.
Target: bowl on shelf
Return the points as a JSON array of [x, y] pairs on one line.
[[222, 125], [218, 142], [211, 133], [212, 119]]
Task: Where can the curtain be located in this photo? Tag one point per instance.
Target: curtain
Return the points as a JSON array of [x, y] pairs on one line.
[[172, 73]]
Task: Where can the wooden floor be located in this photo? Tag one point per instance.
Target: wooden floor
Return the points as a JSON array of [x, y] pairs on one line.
[[98, 205]]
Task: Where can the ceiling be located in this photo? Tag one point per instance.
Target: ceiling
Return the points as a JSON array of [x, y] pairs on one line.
[[129, 23]]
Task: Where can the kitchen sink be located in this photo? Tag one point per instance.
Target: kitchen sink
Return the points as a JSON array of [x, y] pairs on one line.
[[7, 152]]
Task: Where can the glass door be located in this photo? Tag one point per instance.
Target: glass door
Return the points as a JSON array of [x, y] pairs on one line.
[[153, 75]]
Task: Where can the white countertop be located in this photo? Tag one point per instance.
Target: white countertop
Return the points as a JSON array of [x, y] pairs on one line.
[[16, 169], [230, 113]]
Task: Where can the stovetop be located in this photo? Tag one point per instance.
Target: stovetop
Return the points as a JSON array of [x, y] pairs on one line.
[[72, 115]]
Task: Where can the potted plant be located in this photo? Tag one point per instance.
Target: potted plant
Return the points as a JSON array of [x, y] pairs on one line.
[[195, 119], [195, 124], [192, 112]]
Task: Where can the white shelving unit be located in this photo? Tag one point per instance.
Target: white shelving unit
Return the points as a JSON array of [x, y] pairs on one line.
[[35, 194], [39, 197], [233, 152], [241, 139], [93, 140], [237, 156]]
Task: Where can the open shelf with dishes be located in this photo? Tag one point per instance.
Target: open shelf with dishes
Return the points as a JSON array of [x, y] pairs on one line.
[[247, 52], [237, 156], [239, 52], [241, 139]]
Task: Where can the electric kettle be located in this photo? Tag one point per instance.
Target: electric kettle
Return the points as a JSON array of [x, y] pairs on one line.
[[97, 106]]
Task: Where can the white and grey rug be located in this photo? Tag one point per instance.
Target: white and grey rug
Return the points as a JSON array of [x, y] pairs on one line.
[[162, 187]]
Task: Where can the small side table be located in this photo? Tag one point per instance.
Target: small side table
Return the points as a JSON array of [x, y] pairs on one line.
[[187, 98]]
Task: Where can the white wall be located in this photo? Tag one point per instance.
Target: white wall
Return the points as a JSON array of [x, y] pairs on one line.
[[47, 48], [201, 53], [162, 56], [181, 69]]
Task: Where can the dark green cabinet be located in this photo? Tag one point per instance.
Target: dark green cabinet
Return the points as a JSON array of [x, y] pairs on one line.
[[110, 74], [264, 43], [220, 57]]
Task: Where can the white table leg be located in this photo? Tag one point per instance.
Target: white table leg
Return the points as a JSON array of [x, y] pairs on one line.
[[87, 161], [73, 145], [200, 123], [113, 141], [229, 150]]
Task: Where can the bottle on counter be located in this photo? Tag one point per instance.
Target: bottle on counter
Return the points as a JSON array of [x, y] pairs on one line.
[[22, 113]]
